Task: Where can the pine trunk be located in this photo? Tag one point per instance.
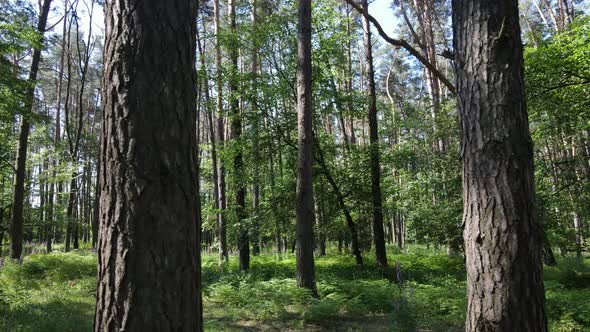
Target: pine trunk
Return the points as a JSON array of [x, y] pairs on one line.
[[503, 239], [149, 244]]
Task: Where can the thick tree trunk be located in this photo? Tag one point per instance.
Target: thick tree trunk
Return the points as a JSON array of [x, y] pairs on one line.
[[16, 220], [149, 244], [503, 239], [305, 206], [378, 234]]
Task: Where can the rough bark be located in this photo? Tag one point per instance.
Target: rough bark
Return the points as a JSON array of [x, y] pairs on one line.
[[378, 234], [149, 244], [503, 238], [16, 220], [305, 205]]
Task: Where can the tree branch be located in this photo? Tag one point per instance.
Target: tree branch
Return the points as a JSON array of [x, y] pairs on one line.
[[404, 44]]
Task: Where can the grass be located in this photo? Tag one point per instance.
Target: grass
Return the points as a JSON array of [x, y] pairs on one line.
[[56, 293]]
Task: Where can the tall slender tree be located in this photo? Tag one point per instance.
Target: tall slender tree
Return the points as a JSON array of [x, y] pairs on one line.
[[378, 234], [503, 237], [255, 129], [305, 206], [236, 133], [221, 224], [16, 221], [149, 244]]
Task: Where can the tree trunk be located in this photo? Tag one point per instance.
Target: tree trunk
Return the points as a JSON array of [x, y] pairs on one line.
[[57, 136], [223, 254], [70, 212], [255, 128], [321, 234], [149, 244], [16, 220], [236, 133], [342, 204], [305, 206], [503, 239], [97, 193], [277, 222], [212, 138], [378, 234]]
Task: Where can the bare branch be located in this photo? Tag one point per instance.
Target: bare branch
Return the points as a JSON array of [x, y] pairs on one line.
[[404, 44]]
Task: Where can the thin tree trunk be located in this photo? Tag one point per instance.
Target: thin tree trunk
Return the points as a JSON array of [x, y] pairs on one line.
[[342, 204], [16, 220], [349, 106], [378, 234], [223, 254], [255, 127], [305, 206], [57, 135], [272, 190], [97, 193], [236, 133]]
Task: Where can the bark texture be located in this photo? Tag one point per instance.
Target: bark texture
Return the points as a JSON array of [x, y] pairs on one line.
[[148, 274], [305, 206], [503, 239]]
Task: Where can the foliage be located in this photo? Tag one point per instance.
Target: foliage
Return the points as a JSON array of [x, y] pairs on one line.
[[558, 85], [48, 293], [56, 293]]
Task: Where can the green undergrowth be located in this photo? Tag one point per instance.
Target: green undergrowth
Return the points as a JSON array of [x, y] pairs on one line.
[[56, 293], [48, 293]]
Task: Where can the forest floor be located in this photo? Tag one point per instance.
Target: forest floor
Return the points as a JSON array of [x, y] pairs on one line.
[[56, 293]]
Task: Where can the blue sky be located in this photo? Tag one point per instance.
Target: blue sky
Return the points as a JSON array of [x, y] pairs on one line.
[[380, 10]]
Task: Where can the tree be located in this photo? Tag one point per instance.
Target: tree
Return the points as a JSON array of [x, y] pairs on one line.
[[220, 197], [503, 238], [378, 234], [149, 245], [16, 221], [236, 133], [557, 81], [305, 205]]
